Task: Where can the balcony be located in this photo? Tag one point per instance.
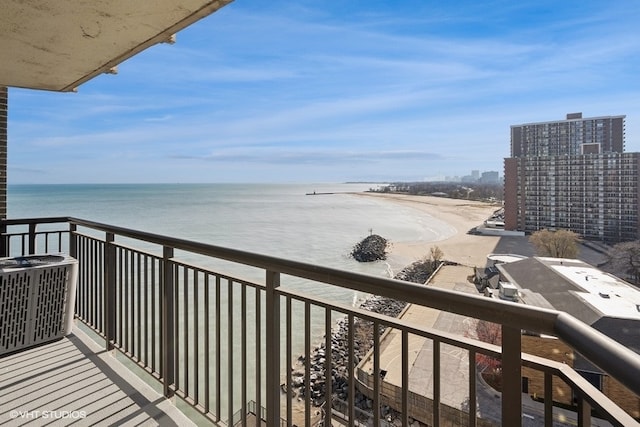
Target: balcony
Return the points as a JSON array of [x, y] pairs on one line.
[[179, 316]]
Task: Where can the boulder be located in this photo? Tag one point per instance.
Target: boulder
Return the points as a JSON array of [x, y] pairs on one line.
[[371, 248]]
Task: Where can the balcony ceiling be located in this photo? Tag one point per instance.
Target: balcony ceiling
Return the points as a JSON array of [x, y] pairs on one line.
[[58, 45]]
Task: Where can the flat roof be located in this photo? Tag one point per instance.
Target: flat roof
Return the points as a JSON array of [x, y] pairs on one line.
[[58, 45], [569, 120], [607, 294], [505, 258]]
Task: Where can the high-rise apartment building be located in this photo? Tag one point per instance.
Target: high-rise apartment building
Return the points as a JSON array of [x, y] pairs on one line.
[[574, 175], [573, 136]]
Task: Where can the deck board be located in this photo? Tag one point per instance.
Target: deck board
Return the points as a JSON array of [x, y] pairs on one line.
[[74, 381]]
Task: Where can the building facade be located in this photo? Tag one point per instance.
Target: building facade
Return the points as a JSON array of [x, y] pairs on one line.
[[573, 136], [491, 177], [573, 175]]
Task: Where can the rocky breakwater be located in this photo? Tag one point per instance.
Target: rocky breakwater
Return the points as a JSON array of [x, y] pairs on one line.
[[417, 272], [362, 342], [371, 248]]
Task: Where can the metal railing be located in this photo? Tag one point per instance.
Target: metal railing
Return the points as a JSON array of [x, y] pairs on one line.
[[218, 341]]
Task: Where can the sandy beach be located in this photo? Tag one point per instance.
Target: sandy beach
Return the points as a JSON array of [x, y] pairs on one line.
[[456, 217], [461, 215]]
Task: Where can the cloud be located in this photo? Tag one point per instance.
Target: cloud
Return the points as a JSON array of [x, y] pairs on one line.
[[402, 87], [26, 170], [300, 157]]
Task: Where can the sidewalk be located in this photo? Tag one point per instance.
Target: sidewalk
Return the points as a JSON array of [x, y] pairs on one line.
[[453, 361]]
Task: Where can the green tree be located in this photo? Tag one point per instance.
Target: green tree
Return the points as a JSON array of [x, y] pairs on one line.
[[556, 244]]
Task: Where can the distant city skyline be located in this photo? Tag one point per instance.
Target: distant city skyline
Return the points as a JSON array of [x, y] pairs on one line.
[[334, 92]]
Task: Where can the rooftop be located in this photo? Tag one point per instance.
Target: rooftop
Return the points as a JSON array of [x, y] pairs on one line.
[[599, 299], [608, 294], [574, 119]]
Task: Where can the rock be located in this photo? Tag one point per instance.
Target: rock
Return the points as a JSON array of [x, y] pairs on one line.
[[371, 248], [339, 349], [418, 272]]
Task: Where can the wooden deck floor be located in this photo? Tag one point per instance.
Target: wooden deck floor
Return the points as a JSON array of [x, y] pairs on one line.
[[76, 382]]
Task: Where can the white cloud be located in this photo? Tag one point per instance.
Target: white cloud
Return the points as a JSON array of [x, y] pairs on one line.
[[333, 82]]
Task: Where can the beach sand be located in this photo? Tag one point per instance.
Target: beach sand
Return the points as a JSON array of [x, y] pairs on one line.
[[457, 216], [466, 249]]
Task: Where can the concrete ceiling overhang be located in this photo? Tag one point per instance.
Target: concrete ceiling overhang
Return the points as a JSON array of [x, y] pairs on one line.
[[58, 45]]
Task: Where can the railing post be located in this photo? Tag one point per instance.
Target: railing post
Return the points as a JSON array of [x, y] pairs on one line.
[[73, 242], [548, 399], [32, 239], [273, 349], [109, 289], [4, 240], [73, 252], [584, 412], [511, 376], [168, 326]]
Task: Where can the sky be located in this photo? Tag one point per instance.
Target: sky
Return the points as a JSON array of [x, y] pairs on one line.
[[333, 91]]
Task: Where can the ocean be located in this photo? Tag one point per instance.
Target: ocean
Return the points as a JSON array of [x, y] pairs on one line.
[[273, 219]]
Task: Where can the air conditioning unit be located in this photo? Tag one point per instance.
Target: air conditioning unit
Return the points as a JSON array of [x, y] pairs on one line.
[[37, 300]]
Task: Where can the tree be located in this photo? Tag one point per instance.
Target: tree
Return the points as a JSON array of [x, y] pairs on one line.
[[556, 244], [491, 333], [625, 258], [436, 256]]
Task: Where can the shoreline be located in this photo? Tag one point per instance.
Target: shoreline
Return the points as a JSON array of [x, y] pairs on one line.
[[465, 249], [461, 215]]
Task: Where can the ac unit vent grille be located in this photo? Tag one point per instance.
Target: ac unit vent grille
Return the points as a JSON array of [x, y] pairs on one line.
[[36, 303], [14, 297], [50, 298]]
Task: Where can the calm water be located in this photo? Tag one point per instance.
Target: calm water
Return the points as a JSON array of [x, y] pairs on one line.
[[277, 220]]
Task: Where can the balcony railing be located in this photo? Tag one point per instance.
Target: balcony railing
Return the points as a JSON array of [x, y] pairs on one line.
[[219, 342]]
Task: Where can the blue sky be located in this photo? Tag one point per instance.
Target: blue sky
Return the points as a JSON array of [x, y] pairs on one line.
[[333, 91]]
